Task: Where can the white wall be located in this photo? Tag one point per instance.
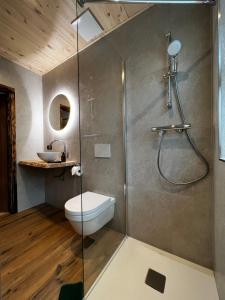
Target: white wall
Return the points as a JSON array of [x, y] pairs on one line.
[[29, 130], [62, 80]]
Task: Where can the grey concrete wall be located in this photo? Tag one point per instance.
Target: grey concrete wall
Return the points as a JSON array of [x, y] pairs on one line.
[[62, 80], [219, 166], [29, 130], [176, 219], [102, 116]]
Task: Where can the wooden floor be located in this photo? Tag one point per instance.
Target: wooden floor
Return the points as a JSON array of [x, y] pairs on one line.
[[40, 251]]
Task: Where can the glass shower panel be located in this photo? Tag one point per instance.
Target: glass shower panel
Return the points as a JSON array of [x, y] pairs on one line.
[[102, 155], [158, 212], [219, 67]]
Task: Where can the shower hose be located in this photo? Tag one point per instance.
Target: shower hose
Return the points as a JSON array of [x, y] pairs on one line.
[[194, 147]]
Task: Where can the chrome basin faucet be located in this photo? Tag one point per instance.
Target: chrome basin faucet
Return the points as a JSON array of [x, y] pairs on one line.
[[64, 153]]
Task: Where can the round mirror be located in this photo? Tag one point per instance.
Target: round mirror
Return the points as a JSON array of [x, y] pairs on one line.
[[59, 112]]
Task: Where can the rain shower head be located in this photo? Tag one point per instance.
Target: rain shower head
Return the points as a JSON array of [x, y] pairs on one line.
[[174, 48]]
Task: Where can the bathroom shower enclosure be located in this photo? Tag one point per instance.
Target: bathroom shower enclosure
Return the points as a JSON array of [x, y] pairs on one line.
[[174, 48], [127, 94], [129, 87]]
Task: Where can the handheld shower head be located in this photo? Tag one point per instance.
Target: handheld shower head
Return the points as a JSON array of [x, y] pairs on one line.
[[174, 48]]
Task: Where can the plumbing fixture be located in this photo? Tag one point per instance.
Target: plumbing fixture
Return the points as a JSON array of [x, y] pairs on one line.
[[64, 153], [174, 48], [177, 128], [202, 2]]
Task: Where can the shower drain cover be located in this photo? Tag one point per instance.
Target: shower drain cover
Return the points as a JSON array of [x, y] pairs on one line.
[[156, 280]]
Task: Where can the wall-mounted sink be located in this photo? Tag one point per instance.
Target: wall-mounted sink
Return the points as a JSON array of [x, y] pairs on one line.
[[50, 156]]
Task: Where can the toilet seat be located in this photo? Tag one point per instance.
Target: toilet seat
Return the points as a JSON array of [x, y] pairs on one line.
[[92, 205]]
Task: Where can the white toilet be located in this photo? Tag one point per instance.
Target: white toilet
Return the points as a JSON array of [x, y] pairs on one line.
[[97, 210]]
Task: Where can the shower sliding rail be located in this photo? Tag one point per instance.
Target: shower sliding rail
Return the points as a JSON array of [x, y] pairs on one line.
[[206, 2]]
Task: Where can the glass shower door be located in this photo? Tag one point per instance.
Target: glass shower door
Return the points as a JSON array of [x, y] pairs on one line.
[[102, 155]]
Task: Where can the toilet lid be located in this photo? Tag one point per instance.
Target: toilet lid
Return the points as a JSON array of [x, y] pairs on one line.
[[91, 202]]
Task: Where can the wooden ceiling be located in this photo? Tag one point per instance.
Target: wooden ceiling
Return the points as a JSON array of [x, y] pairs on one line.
[[37, 34]]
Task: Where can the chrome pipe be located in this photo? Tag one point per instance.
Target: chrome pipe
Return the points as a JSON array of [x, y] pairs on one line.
[[168, 76], [173, 65], [207, 2], [169, 101], [124, 122]]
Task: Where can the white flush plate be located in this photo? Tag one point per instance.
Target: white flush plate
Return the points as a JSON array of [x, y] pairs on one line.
[[102, 150]]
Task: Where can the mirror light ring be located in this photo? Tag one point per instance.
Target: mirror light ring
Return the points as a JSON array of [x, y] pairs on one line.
[[72, 116]]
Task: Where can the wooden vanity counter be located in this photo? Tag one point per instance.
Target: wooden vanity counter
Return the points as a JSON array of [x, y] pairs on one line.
[[44, 165]]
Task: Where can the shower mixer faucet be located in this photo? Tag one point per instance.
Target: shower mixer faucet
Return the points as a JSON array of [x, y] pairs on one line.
[[178, 128]]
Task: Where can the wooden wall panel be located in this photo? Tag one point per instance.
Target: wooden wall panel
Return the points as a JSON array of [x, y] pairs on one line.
[[37, 34]]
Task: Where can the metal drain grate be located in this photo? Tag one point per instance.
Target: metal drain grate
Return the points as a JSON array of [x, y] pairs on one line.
[[156, 280]]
